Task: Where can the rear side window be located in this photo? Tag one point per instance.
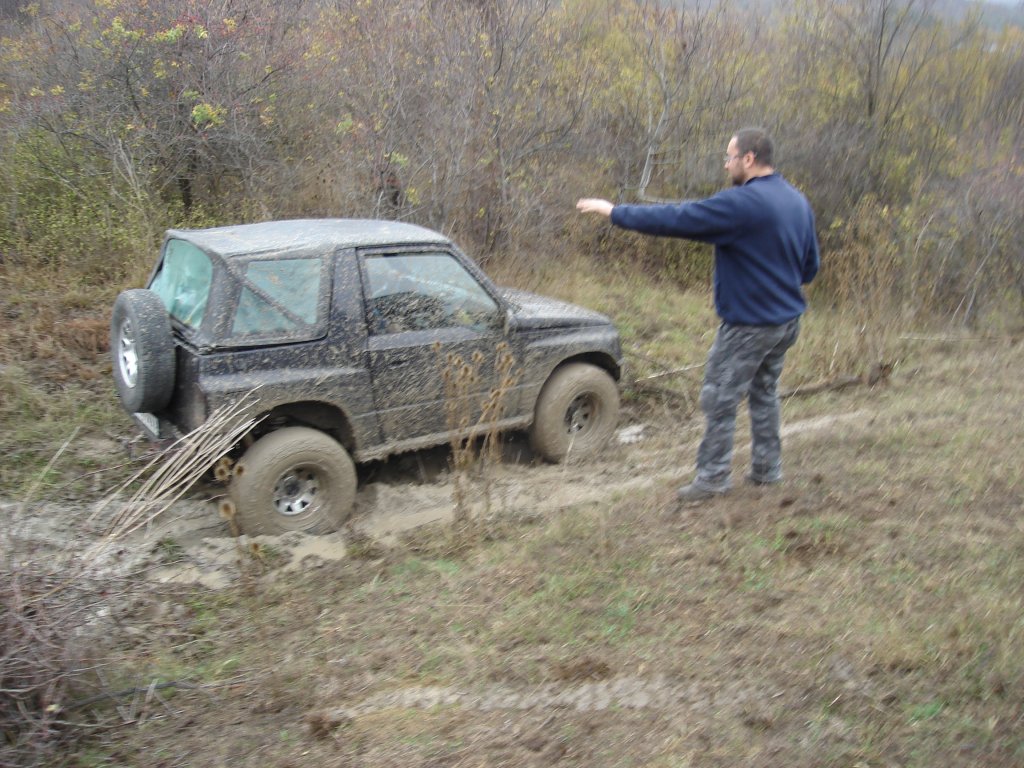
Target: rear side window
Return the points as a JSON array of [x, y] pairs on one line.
[[183, 282], [280, 297]]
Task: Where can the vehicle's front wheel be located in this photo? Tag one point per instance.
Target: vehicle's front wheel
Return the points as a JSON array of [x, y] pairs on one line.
[[576, 412], [293, 479]]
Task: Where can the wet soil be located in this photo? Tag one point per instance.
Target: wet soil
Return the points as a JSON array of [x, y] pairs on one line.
[[192, 543], [377, 646]]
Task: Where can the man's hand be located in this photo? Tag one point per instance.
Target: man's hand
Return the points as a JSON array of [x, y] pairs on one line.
[[594, 205]]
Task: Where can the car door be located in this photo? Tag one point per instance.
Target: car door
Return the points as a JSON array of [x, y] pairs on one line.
[[433, 335]]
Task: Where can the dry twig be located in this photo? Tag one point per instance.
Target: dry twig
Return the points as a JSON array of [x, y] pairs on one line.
[[167, 477]]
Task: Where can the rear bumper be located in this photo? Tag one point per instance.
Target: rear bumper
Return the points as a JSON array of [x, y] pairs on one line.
[[153, 427]]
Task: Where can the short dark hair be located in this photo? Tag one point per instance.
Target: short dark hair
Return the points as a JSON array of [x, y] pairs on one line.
[[758, 141]]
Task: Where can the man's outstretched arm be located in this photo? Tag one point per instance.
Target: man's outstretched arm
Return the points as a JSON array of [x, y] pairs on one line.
[[594, 205]]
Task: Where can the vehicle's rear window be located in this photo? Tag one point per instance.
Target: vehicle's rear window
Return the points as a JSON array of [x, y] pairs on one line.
[[183, 282], [279, 296]]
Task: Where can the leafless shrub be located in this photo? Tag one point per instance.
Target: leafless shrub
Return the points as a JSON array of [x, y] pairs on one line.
[[992, 246], [49, 616], [966, 263], [863, 274], [51, 610]]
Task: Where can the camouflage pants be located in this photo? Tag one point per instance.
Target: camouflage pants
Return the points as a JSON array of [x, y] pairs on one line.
[[744, 361]]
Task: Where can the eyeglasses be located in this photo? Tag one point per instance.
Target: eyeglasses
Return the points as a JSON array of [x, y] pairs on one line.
[[730, 158]]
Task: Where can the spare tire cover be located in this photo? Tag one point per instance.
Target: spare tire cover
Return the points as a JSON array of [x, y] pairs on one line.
[[142, 348]]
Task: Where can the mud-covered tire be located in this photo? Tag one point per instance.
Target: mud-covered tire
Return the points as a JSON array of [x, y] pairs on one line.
[[293, 479], [576, 413], [142, 349]]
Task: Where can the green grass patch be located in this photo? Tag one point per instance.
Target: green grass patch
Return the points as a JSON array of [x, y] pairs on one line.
[[53, 436]]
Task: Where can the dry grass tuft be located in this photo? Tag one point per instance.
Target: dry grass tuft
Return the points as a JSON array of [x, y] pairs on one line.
[[475, 442], [166, 477], [52, 651]]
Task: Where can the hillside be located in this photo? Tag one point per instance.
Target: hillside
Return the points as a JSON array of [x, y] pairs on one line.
[[867, 612]]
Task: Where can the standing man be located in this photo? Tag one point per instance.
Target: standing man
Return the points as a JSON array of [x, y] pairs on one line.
[[765, 250]]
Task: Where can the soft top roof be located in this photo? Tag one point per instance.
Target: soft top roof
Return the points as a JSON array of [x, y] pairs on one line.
[[305, 235]]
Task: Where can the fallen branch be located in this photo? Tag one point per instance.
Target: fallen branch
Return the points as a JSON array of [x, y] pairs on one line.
[[822, 386], [877, 373], [673, 372], [943, 338], [634, 352], [154, 686], [670, 393], [107, 695]]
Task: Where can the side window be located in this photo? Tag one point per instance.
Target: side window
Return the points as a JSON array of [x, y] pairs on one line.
[[421, 291], [279, 296], [183, 282]]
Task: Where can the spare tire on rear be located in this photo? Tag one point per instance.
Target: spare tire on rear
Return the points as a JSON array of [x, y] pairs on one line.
[[142, 348]]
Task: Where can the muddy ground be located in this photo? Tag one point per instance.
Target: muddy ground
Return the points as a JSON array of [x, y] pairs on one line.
[[865, 613], [395, 497]]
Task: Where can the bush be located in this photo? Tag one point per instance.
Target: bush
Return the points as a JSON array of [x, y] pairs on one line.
[[45, 618], [67, 216]]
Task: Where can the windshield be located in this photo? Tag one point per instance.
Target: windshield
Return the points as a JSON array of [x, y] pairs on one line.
[[183, 282]]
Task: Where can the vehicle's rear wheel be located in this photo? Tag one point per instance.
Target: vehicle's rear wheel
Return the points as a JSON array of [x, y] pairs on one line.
[[293, 479], [142, 348], [576, 412]]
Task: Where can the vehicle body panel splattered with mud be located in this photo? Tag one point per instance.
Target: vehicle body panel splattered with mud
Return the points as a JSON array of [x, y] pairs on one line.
[[354, 330]]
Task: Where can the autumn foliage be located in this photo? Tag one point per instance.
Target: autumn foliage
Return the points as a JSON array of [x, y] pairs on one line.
[[487, 119]]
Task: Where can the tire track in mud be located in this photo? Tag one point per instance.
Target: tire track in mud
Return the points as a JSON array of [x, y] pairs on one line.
[[621, 692], [205, 551]]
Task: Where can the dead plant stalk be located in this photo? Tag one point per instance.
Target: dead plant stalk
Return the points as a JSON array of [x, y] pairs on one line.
[[167, 477]]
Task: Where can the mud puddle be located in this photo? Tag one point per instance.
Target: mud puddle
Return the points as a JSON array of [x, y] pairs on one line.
[[191, 542]]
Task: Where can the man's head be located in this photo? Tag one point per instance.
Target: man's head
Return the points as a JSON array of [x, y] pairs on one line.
[[749, 154]]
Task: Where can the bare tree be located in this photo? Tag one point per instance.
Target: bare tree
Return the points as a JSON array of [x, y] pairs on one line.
[[173, 96], [865, 62], [664, 102]]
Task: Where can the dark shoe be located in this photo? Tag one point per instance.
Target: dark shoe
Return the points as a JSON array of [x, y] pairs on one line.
[[761, 481], [688, 494]]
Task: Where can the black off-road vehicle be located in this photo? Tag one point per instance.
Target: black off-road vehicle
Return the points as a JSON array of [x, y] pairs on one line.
[[334, 335]]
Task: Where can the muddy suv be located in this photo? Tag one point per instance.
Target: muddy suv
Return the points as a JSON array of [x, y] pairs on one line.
[[335, 337]]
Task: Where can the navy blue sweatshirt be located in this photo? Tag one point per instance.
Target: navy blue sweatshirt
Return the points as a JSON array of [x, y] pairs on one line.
[[765, 245]]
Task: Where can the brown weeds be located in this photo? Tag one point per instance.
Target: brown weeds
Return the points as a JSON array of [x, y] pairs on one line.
[[475, 440], [51, 651], [166, 477]]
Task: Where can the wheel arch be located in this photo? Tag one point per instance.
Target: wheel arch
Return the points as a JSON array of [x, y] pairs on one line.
[[601, 360], [317, 414]]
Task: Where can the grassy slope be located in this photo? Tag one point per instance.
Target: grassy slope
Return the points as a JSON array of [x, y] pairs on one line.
[[869, 612], [866, 613]]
